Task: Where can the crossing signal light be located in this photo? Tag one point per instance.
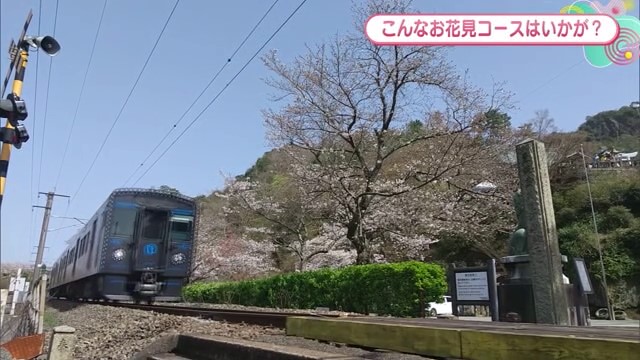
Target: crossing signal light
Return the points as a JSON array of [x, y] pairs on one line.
[[15, 136], [20, 135], [14, 109]]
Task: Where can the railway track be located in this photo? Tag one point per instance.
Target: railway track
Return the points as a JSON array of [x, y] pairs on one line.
[[262, 318]]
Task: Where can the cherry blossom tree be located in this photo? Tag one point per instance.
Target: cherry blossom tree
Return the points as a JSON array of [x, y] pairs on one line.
[[348, 103], [336, 258], [286, 217], [221, 254], [233, 258]]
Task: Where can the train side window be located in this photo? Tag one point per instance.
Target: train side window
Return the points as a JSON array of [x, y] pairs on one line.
[[123, 222], [92, 240], [181, 227], [98, 246], [154, 224]]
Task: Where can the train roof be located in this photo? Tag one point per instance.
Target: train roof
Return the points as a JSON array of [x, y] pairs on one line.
[[144, 191]]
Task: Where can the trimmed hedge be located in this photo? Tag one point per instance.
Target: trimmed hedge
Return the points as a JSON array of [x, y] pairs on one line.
[[397, 289]]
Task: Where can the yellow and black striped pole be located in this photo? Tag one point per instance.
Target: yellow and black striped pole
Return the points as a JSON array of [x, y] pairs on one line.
[[5, 155], [19, 60]]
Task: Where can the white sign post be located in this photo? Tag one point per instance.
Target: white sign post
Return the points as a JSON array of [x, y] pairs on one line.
[[472, 286], [4, 293], [15, 286]]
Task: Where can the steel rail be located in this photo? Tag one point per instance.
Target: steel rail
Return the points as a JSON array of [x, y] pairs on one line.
[[252, 317]]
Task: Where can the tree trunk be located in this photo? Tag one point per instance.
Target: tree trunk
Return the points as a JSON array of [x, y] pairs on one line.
[[363, 250]]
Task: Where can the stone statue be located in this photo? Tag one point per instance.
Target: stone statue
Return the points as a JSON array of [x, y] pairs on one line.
[[518, 239]]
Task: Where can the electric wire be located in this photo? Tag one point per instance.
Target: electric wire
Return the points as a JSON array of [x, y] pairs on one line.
[[35, 105], [46, 101], [33, 150], [558, 75], [75, 115], [202, 92], [95, 40], [222, 90], [135, 84]]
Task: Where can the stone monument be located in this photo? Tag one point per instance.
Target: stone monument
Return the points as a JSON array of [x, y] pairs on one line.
[[534, 291]]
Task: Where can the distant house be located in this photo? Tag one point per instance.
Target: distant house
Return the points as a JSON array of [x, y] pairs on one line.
[[604, 159], [576, 159], [613, 158]]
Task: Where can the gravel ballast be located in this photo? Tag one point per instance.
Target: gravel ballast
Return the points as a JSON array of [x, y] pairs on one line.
[[114, 333]]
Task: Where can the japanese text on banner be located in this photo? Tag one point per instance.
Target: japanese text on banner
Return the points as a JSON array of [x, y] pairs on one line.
[[469, 29]]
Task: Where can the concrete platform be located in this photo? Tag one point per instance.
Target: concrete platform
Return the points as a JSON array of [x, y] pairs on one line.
[[594, 322], [473, 340]]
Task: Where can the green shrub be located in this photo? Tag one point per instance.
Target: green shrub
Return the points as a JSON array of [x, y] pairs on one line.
[[398, 289]]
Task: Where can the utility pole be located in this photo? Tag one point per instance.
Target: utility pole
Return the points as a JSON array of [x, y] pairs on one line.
[[43, 231], [612, 314]]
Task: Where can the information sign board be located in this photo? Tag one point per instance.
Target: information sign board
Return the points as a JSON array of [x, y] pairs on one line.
[[472, 286]]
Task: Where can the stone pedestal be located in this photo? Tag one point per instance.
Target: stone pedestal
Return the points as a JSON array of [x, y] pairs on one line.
[[63, 342], [516, 298]]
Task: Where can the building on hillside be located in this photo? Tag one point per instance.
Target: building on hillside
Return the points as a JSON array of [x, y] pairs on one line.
[[608, 159], [572, 167]]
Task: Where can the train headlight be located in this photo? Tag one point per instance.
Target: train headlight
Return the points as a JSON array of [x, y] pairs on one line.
[[178, 258], [118, 254]]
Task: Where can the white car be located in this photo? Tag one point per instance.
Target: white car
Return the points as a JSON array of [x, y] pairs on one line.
[[443, 307]]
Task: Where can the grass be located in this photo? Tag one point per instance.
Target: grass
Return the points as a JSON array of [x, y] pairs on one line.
[[50, 320]]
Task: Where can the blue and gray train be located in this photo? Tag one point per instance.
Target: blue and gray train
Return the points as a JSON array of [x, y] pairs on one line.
[[137, 246]]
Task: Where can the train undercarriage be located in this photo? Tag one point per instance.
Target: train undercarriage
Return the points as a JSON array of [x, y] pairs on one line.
[[141, 287]]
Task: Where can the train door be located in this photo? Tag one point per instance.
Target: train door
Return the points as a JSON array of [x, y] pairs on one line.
[[152, 232], [180, 237]]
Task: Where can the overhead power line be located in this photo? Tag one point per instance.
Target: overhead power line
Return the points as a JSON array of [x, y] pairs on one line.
[[222, 90], [135, 84], [227, 62], [66, 211], [46, 101], [75, 115], [35, 106]]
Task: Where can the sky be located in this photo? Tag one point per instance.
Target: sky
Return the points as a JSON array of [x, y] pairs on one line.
[[229, 137]]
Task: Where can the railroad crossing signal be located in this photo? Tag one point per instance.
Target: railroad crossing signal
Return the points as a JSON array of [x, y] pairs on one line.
[[13, 108]]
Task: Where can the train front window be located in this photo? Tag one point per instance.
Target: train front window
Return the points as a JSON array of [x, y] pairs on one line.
[[124, 221], [154, 224], [181, 227]]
